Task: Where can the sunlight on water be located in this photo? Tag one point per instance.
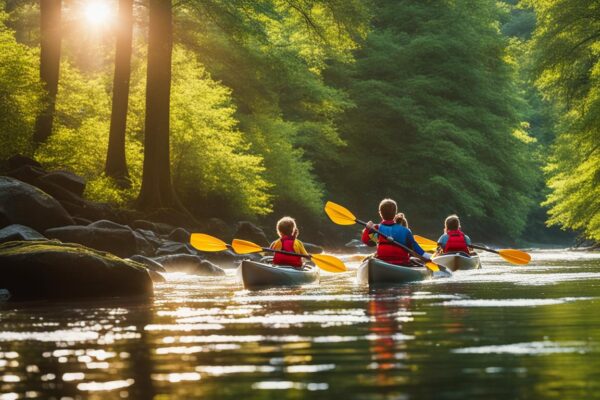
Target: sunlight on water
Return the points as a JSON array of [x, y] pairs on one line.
[[206, 337]]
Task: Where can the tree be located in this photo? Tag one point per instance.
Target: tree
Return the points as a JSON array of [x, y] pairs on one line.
[[116, 164], [50, 17], [157, 190], [436, 124], [567, 52]]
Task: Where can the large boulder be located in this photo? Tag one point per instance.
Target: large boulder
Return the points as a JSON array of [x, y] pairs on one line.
[[122, 242], [19, 232], [189, 264], [219, 228], [21, 203], [67, 180], [248, 231], [53, 270]]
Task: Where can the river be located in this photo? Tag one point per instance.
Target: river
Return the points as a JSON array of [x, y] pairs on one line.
[[503, 332]]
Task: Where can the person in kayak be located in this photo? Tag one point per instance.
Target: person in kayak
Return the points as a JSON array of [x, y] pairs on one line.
[[453, 240], [288, 234], [387, 251]]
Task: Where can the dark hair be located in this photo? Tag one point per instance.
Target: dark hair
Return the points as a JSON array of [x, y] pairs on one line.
[[401, 219], [452, 222], [286, 226], [388, 209]]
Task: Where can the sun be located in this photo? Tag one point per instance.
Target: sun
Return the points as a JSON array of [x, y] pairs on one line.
[[97, 12]]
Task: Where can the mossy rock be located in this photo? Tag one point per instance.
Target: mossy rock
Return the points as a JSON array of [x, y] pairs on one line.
[[51, 270]]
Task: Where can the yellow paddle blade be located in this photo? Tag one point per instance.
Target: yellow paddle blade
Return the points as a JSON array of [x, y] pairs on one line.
[[338, 214], [515, 256], [328, 263], [244, 247], [423, 241], [432, 266], [204, 242]]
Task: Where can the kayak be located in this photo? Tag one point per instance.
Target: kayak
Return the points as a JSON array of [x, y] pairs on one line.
[[458, 261], [255, 275], [376, 272]]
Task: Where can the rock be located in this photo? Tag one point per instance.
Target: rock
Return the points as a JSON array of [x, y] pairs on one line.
[[82, 221], [151, 264], [179, 235], [170, 248], [66, 180], [18, 160], [171, 217], [230, 259], [313, 248], [248, 231], [21, 203], [106, 224], [356, 246], [189, 264], [50, 270], [58, 192], [19, 232], [121, 242], [156, 277], [159, 228], [26, 173], [219, 228], [151, 237], [91, 210]]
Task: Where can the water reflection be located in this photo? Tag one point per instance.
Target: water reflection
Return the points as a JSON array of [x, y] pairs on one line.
[[537, 327]]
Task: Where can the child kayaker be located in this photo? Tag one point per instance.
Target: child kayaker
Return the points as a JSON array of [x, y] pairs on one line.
[[288, 234], [387, 251], [401, 219], [453, 240]]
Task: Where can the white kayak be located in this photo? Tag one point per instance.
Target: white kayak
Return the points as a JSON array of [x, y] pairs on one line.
[[255, 275], [458, 261], [374, 272]]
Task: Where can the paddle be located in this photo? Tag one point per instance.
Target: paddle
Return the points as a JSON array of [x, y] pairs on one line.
[[204, 242], [342, 216], [323, 261], [513, 256]]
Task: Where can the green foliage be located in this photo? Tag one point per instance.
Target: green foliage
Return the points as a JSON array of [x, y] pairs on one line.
[[80, 137], [21, 93], [212, 166], [436, 125], [568, 74]]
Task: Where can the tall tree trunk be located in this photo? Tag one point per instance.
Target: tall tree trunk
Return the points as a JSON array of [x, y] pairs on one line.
[[50, 16], [157, 190], [116, 164]]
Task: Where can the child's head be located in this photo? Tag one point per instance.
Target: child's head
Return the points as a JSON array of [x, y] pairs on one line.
[[286, 226], [452, 223], [401, 219], [388, 209]]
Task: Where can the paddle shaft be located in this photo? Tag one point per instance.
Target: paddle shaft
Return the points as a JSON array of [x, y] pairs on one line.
[[484, 248], [289, 253]]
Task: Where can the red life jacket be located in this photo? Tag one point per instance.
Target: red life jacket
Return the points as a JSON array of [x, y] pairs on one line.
[[387, 251], [287, 244], [456, 242]]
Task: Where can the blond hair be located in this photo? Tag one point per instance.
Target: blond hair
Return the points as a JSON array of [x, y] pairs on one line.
[[401, 219], [286, 226]]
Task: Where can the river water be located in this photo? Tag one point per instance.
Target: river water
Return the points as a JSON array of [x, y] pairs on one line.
[[504, 332]]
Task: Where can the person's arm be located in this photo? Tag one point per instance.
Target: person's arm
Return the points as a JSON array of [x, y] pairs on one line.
[[299, 247], [276, 245], [468, 242], [412, 243], [369, 238]]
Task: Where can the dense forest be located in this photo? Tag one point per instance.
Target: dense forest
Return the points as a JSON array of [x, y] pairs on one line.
[[243, 109]]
